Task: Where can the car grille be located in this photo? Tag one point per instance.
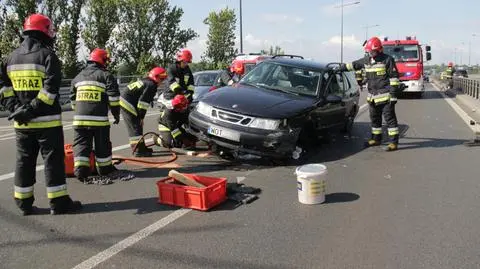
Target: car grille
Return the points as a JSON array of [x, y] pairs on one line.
[[231, 117]]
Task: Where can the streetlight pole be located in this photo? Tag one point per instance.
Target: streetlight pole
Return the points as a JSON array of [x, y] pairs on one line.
[[366, 29], [470, 49], [341, 25], [241, 34]]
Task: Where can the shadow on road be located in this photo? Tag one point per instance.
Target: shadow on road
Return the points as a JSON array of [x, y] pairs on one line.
[[141, 206], [428, 142], [341, 197]]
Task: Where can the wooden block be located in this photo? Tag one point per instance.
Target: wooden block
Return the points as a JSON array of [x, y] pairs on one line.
[[185, 180]]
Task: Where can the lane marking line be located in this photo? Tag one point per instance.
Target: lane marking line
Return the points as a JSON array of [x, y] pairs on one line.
[[131, 240], [9, 136], [41, 167], [136, 237], [463, 115]]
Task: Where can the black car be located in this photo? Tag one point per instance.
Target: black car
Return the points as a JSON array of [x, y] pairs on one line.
[[204, 81], [277, 109]]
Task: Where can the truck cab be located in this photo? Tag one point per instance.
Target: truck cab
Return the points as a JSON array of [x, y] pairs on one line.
[[408, 55]]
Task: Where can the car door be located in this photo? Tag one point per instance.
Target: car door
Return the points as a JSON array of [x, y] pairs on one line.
[[331, 110], [352, 91]]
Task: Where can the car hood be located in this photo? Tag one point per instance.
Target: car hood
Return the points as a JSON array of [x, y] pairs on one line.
[[258, 102]]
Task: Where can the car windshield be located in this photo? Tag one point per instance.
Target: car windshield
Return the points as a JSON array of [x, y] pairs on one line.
[[284, 78], [402, 53], [205, 79]]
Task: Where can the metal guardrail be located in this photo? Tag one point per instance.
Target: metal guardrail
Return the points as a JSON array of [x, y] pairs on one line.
[[468, 86]]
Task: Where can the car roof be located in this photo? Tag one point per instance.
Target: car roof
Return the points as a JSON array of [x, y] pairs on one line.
[[302, 63], [208, 72]]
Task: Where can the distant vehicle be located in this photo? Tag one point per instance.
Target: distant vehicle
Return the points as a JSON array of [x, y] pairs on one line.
[[203, 81], [250, 60], [460, 72], [408, 57], [277, 109]]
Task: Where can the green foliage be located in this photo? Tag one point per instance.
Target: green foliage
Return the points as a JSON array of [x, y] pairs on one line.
[[273, 51], [100, 19], [172, 37], [221, 37], [69, 33]]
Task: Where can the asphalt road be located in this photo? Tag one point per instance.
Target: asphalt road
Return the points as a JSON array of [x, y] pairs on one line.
[[414, 208]]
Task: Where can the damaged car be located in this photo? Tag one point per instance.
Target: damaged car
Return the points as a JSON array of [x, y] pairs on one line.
[[278, 109]]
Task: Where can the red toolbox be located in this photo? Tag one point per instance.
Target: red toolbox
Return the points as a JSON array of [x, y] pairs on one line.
[[172, 192]]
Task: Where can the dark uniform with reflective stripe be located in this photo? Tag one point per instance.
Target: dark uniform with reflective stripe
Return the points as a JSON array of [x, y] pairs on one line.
[[93, 92], [171, 132], [180, 81], [135, 100], [449, 76], [32, 75], [382, 79]]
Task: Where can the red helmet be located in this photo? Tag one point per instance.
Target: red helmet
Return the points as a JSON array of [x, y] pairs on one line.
[[157, 74], [374, 44], [184, 55], [450, 64], [39, 22], [100, 56], [237, 68], [180, 102]]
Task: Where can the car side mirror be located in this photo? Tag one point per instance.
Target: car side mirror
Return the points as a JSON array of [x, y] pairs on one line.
[[429, 56], [428, 48], [333, 99]]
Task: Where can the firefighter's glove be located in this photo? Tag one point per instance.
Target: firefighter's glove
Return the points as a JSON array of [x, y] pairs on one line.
[[23, 114]]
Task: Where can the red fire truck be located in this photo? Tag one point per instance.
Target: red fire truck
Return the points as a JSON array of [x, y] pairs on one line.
[[408, 55], [249, 60]]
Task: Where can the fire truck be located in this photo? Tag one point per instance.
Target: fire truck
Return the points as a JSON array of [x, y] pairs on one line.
[[250, 60], [408, 55]]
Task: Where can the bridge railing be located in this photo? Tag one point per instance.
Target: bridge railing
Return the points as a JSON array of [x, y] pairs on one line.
[[468, 86]]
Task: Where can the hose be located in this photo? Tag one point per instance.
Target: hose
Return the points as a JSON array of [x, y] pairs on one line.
[[142, 160]]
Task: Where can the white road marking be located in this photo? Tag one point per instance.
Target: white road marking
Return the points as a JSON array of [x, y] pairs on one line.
[[41, 167], [10, 136], [131, 240], [465, 117]]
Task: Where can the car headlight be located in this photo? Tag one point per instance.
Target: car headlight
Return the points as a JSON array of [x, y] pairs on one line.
[[266, 124], [204, 109]]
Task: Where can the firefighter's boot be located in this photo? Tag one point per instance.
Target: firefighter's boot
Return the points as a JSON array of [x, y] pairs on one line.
[[375, 140], [64, 205], [393, 144]]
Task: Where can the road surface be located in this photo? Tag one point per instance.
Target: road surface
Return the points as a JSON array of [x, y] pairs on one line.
[[414, 208]]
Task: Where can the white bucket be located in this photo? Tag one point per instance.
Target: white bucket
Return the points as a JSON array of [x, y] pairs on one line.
[[311, 183]]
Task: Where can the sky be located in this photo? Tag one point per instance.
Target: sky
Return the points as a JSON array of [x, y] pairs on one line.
[[312, 28]]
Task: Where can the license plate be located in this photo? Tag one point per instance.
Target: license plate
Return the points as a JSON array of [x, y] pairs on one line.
[[224, 133]]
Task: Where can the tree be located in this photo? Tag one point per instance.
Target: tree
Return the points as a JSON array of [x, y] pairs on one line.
[[273, 51], [146, 28], [69, 33], [100, 19], [221, 37], [172, 38]]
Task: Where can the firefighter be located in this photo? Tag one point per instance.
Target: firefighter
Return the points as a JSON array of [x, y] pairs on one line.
[[93, 91], [35, 71], [449, 75], [180, 77], [383, 82], [229, 75], [134, 101], [172, 134], [359, 77]]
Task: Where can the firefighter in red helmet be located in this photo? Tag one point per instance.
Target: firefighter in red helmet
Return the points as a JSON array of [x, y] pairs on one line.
[[180, 81], [383, 82], [33, 100], [170, 122], [94, 91], [135, 100], [449, 75], [229, 75]]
